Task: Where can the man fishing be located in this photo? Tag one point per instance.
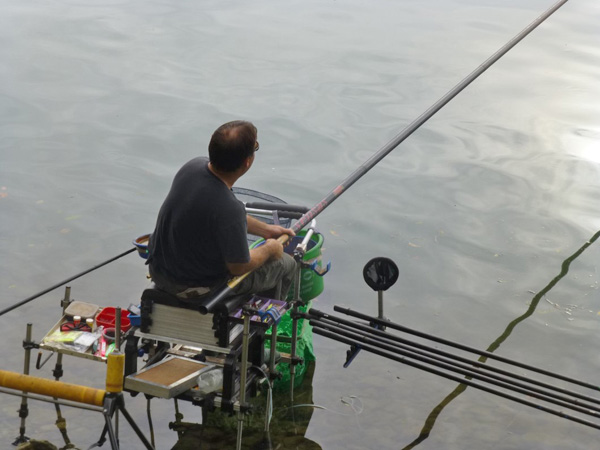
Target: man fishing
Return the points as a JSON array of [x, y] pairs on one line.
[[200, 239]]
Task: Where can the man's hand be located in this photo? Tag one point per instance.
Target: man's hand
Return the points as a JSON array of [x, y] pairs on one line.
[[274, 231], [267, 231], [275, 248]]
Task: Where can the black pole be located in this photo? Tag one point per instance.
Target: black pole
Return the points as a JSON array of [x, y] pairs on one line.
[[391, 145], [415, 124], [464, 347], [382, 336], [509, 380], [458, 379], [74, 277]]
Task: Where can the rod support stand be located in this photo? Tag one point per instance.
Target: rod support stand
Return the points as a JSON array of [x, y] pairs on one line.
[[246, 408], [249, 310], [58, 371], [66, 300], [295, 360], [21, 440], [275, 375], [30, 345], [23, 411]]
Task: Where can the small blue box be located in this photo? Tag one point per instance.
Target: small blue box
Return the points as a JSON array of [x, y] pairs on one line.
[[136, 321]]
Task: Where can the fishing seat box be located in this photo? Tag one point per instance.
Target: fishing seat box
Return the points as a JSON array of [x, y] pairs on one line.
[[164, 314]]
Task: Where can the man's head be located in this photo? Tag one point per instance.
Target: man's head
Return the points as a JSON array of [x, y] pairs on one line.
[[231, 145]]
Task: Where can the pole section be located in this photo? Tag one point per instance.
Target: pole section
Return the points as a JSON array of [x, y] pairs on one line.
[[391, 145], [57, 285]]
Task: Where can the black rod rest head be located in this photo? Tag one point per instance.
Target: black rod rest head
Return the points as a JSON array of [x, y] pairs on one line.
[[300, 315], [380, 273], [249, 310]]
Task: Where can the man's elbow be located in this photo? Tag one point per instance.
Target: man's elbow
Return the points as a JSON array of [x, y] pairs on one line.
[[238, 269]]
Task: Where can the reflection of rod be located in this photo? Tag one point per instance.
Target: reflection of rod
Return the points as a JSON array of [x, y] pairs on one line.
[[463, 347], [380, 337], [467, 381], [564, 269], [462, 366], [433, 415]]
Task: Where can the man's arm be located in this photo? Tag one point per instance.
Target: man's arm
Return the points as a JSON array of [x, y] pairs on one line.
[[271, 249], [265, 230]]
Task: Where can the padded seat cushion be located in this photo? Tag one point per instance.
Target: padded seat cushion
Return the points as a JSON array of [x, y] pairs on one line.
[[155, 295]]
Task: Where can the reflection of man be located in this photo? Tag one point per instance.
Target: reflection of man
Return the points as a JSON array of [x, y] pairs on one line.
[[200, 239], [288, 426]]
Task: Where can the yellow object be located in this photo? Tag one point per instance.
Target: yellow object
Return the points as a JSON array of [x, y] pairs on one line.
[[52, 388], [115, 362]]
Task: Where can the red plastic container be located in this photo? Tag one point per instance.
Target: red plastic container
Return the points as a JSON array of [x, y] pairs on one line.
[[107, 318]]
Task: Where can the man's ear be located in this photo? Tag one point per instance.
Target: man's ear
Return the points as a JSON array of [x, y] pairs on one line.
[[248, 162]]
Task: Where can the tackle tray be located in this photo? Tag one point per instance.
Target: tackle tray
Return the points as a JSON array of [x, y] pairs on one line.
[[49, 344], [168, 378]]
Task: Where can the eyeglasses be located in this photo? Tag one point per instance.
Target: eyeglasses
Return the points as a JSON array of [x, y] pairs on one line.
[[256, 147]]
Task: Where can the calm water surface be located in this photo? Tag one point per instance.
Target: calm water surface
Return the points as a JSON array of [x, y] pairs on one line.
[[102, 101]]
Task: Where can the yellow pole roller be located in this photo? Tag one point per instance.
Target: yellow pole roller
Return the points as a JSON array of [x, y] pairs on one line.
[[115, 364], [52, 388], [115, 361]]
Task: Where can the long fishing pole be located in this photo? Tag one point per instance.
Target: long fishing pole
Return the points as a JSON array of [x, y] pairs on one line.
[[502, 382], [456, 378], [391, 145], [429, 355], [62, 283], [459, 346], [378, 336]]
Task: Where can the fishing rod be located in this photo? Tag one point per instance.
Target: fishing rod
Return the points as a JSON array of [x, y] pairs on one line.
[[502, 382], [459, 346], [387, 148], [466, 381], [377, 336], [74, 277], [472, 369]]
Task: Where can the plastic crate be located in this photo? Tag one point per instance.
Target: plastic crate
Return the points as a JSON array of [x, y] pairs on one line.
[[107, 318]]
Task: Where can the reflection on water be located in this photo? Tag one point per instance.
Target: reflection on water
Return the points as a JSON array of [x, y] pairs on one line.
[[432, 417], [102, 101], [287, 429]]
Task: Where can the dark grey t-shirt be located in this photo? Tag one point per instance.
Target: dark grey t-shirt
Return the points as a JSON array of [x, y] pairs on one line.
[[201, 226]]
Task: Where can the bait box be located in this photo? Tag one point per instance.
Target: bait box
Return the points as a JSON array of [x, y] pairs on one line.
[[107, 318], [81, 309]]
